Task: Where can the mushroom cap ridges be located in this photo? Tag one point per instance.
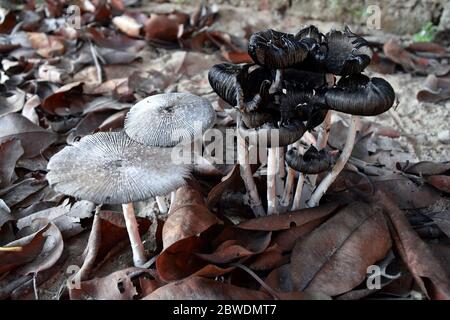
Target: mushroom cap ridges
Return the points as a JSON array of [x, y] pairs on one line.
[[109, 167], [164, 120]]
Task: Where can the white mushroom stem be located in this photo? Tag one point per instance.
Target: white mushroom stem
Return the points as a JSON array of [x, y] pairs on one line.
[[277, 84], [280, 173], [296, 205], [290, 179], [133, 232], [161, 204], [321, 143], [247, 177], [301, 180], [337, 168], [271, 183]]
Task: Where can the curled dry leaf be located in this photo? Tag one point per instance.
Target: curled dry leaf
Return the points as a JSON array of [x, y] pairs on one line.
[[11, 102], [67, 100], [163, 27], [424, 168], [10, 152], [434, 89], [333, 259], [440, 182], [31, 245], [216, 193], [51, 250], [67, 217], [34, 139], [21, 191], [426, 269], [198, 288], [127, 284], [188, 217]]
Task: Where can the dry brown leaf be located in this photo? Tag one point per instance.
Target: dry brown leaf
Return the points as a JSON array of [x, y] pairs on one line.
[[46, 46], [333, 259], [10, 152], [127, 25], [419, 258], [127, 284], [198, 288], [34, 139], [188, 216]]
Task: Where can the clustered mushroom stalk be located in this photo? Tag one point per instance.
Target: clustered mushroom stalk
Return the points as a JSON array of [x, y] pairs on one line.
[[291, 89]]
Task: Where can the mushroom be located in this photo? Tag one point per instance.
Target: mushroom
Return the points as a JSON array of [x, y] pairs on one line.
[[111, 168], [272, 136], [165, 120], [241, 89], [347, 53], [276, 50], [360, 95]]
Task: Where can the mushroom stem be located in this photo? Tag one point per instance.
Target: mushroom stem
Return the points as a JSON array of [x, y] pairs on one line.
[[277, 84], [322, 140], [161, 204], [296, 205], [280, 173], [133, 232], [288, 188], [271, 183], [340, 163], [301, 180], [247, 177]]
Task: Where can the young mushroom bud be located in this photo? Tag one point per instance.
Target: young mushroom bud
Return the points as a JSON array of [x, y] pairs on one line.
[[347, 53], [361, 95], [312, 162], [276, 50]]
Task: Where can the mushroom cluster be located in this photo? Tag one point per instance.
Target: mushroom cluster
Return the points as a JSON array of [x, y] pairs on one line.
[[134, 164], [289, 90]]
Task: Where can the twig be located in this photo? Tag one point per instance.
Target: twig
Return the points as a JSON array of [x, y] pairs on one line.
[[35, 288], [257, 278], [97, 64], [337, 168], [161, 202]]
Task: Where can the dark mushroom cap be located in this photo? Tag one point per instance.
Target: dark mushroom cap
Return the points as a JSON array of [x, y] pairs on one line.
[[361, 95], [255, 119], [347, 53], [310, 32], [272, 135], [109, 167], [312, 162], [236, 85], [164, 120], [276, 50]]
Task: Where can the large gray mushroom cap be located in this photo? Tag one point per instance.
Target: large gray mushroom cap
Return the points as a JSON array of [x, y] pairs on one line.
[[109, 167], [164, 120]]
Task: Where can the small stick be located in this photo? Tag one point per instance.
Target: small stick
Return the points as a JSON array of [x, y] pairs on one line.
[[271, 183], [133, 232], [97, 64], [337, 168], [161, 204], [247, 177]]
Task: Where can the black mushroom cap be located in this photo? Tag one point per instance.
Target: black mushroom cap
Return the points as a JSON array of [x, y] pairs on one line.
[[361, 95], [256, 118], [276, 50], [271, 134], [347, 53], [312, 162], [239, 87], [317, 46], [109, 167]]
